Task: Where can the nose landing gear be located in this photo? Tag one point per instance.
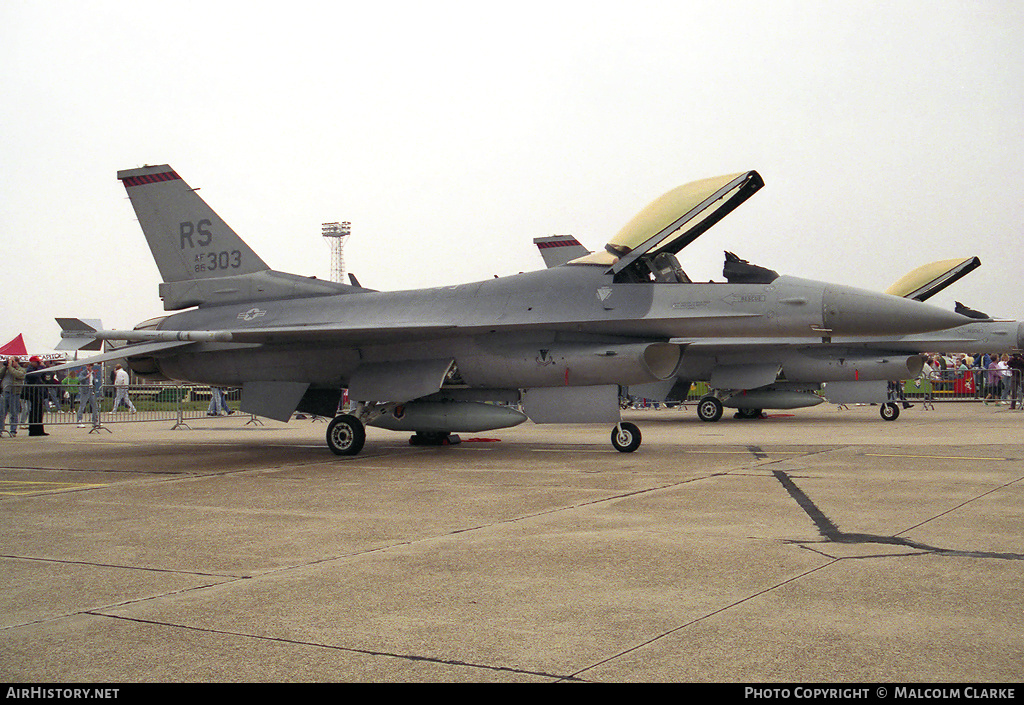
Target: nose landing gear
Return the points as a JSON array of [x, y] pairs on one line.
[[626, 437]]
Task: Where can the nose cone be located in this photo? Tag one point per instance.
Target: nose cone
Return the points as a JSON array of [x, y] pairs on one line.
[[851, 311]]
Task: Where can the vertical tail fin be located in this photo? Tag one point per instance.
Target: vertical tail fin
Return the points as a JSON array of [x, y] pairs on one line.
[[559, 249], [188, 240]]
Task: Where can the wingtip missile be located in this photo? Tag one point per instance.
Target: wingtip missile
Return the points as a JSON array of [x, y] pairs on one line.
[[78, 334]]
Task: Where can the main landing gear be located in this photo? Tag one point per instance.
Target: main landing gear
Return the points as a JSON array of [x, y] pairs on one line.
[[709, 408], [346, 435]]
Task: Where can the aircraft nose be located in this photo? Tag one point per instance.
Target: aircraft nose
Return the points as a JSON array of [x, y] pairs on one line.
[[852, 311]]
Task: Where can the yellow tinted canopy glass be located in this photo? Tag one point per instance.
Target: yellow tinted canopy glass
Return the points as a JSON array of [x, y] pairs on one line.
[[675, 219], [928, 279]]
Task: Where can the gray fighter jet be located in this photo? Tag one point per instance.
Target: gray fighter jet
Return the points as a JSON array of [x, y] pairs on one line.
[[793, 373], [559, 342]]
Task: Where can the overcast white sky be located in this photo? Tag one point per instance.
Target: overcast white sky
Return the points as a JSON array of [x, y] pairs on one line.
[[889, 134]]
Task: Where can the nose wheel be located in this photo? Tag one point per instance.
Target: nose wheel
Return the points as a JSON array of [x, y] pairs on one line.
[[889, 411], [626, 437]]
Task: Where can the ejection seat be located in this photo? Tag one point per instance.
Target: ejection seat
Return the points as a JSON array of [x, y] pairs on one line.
[[665, 268]]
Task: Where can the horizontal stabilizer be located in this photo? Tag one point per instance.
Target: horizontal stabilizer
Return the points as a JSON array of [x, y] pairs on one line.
[[121, 353]]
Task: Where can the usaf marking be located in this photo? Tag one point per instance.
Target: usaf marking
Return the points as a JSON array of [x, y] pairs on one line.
[[252, 314]]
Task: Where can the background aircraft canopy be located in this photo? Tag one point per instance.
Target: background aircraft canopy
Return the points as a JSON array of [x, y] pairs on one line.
[[929, 279], [671, 222]]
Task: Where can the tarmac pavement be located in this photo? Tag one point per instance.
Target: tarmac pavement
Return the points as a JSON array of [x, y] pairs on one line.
[[812, 546]]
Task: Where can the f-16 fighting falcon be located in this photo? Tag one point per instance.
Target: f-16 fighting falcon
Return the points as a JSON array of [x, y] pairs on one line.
[[789, 373], [557, 343]]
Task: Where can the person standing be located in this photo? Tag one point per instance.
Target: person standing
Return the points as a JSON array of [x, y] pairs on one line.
[[12, 374], [52, 382], [1004, 378], [35, 392], [121, 389], [90, 386], [218, 403], [1016, 368], [995, 380], [70, 387]]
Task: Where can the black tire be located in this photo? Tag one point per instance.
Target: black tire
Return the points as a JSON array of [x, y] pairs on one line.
[[748, 414], [346, 435], [709, 409], [889, 411], [626, 437]]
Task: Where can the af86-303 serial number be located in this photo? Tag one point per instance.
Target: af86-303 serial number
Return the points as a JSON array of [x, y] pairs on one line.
[[214, 261]]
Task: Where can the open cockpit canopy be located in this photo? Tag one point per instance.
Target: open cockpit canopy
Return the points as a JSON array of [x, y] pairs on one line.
[[648, 243], [929, 279]]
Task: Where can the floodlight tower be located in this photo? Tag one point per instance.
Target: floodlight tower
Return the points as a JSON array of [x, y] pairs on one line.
[[336, 234]]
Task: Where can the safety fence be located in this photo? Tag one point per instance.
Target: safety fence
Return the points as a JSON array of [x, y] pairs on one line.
[[973, 384], [178, 404], [112, 405]]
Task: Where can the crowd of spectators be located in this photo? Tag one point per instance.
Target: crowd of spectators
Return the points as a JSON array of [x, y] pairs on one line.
[[993, 377], [30, 389]]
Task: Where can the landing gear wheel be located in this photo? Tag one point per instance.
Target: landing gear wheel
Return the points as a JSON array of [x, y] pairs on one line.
[[626, 437], [709, 409], [748, 414], [346, 435], [889, 411]]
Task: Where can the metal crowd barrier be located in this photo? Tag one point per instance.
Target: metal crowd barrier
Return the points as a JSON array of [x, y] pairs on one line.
[[151, 402], [974, 384], [182, 403]]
